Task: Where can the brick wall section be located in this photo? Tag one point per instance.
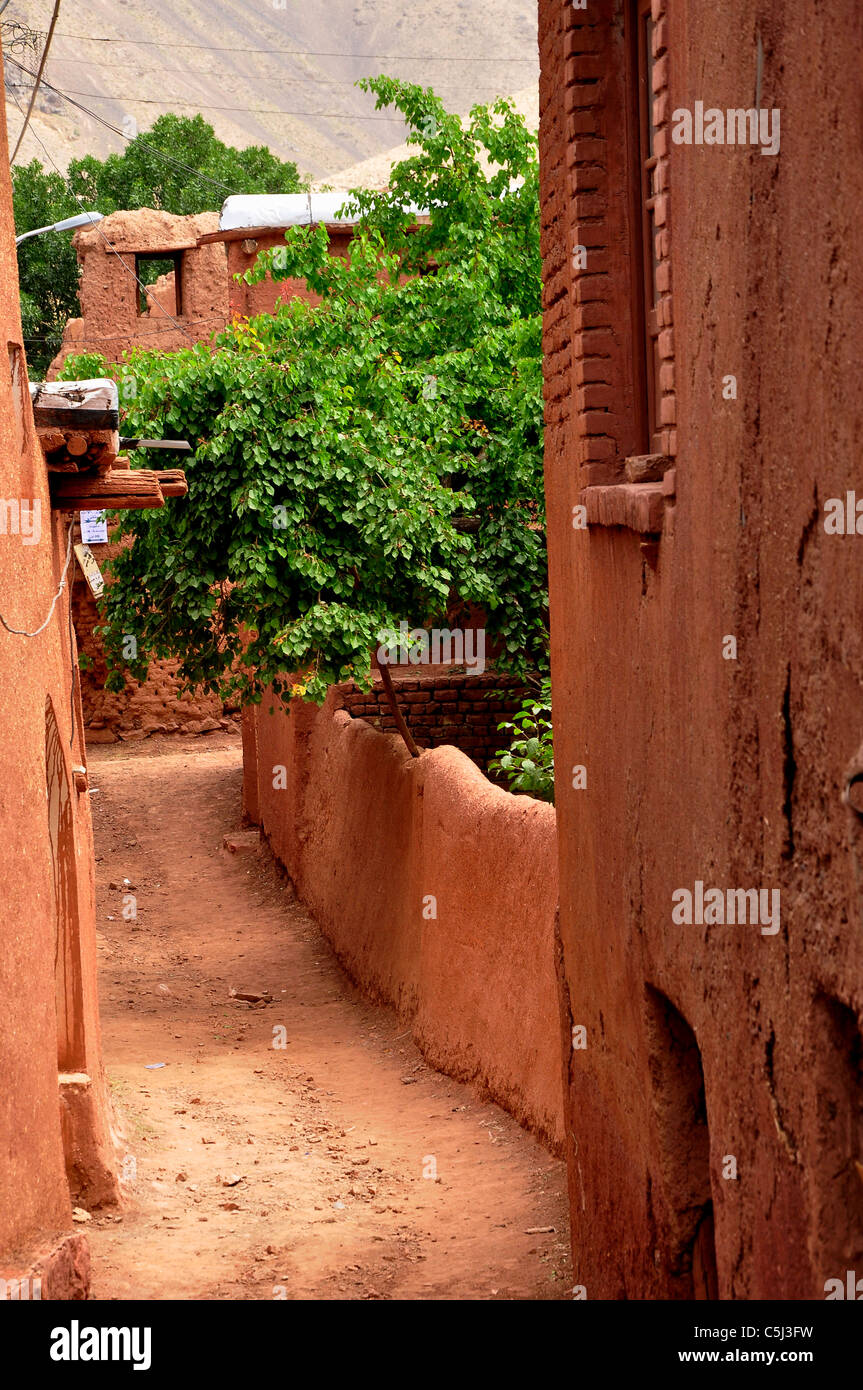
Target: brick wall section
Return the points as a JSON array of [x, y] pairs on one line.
[[156, 705], [461, 710], [593, 336], [662, 107]]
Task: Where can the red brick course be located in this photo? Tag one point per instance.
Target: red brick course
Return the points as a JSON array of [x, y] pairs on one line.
[[461, 710]]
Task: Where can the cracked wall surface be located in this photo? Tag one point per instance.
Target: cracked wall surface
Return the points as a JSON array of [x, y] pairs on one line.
[[735, 772]]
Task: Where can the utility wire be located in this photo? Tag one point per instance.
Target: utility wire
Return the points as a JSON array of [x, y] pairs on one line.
[[114, 252], [35, 90], [145, 144], [307, 53], [305, 81], [247, 110], [112, 337], [22, 632], [152, 101]]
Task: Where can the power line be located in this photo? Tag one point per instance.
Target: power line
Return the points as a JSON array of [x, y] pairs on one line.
[[55, 16], [145, 144], [113, 337], [114, 252], [305, 80], [247, 110], [308, 53], [198, 106]]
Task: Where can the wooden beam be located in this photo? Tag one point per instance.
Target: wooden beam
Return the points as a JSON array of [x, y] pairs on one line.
[[122, 489], [270, 233], [390, 693], [173, 483]]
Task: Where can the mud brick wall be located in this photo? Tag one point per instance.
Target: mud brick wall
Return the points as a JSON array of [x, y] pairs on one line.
[[156, 705], [461, 710], [707, 1044], [56, 1147], [111, 321], [436, 889]]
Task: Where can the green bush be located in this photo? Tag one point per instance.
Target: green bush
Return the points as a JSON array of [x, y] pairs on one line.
[[528, 762]]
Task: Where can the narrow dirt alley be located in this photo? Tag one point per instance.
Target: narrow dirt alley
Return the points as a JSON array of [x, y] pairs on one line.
[[337, 1167]]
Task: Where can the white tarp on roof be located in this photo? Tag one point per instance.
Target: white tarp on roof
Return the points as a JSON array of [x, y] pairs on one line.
[[289, 210], [97, 393], [284, 210]]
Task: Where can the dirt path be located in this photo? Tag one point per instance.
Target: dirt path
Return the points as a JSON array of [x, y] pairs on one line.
[[306, 1172]]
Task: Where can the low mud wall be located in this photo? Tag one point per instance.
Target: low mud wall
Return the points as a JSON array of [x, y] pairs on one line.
[[447, 707], [436, 889]]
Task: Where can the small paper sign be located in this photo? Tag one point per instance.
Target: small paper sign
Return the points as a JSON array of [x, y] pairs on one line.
[[94, 528], [91, 571]]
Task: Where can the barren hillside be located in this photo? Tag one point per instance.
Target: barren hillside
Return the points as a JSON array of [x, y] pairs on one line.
[[261, 73]]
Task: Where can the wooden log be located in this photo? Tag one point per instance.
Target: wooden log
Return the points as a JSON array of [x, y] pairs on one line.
[[121, 489], [104, 448], [66, 450], [51, 439], [173, 483], [77, 445], [390, 693]]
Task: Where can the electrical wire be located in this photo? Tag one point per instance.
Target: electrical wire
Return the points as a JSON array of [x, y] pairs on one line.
[[306, 53], [305, 81], [141, 332], [169, 159], [55, 16], [22, 632], [212, 106], [141, 286]]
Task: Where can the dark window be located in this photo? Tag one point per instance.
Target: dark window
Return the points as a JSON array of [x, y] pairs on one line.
[[149, 267]]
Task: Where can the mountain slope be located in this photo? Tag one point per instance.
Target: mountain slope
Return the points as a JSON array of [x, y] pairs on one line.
[[296, 94]]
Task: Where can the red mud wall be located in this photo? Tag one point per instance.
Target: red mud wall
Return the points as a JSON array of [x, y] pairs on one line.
[[248, 300], [728, 771], [436, 889], [111, 322], [154, 706], [48, 1015]]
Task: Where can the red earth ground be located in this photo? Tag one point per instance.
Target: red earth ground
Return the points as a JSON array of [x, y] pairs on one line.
[[340, 1166]]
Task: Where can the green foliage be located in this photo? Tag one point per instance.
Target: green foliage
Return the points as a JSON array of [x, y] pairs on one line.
[[139, 177], [481, 184], [88, 366], [47, 265], [362, 461], [528, 762]]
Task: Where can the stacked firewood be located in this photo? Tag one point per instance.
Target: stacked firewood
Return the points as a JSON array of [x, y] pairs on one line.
[[77, 423]]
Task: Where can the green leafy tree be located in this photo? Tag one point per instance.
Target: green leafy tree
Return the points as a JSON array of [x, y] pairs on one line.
[[47, 265], [153, 171], [371, 459]]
